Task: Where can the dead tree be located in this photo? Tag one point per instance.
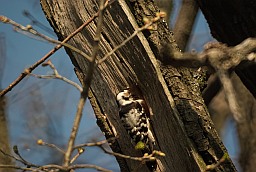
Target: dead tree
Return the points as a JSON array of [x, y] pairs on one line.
[[181, 122]]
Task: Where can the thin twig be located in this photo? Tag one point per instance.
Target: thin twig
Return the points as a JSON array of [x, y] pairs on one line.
[[34, 21], [86, 86], [51, 52], [42, 143], [11, 156], [145, 157], [99, 143], [56, 75], [35, 34], [16, 151], [214, 166], [16, 167], [49, 166], [79, 166], [74, 131], [80, 151], [55, 167], [60, 77]]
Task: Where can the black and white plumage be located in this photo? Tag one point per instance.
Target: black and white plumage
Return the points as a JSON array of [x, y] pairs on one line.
[[135, 116]]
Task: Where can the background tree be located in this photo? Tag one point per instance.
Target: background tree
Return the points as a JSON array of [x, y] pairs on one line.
[[233, 23], [4, 139]]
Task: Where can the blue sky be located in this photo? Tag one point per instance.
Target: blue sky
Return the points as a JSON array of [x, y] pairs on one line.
[[55, 101]]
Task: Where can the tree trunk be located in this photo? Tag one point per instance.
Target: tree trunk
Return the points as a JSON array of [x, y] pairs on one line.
[[181, 123], [4, 135]]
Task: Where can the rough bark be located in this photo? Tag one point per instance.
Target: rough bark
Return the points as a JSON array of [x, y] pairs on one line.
[[181, 123]]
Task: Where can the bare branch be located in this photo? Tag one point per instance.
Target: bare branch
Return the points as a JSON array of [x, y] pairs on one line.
[[184, 22], [56, 75], [37, 168], [36, 22], [230, 95], [79, 166], [74, 131], [79, 152], [215, 55], [53, 167], [144, 158], [19, 158], [16, 151], [11, 156], [42, 143], [16, 167], [99, 143]]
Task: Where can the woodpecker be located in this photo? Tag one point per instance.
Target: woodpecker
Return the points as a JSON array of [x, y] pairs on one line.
[[135, 116]]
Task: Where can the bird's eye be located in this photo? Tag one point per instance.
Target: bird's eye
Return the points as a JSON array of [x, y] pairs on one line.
[[125, 98]]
